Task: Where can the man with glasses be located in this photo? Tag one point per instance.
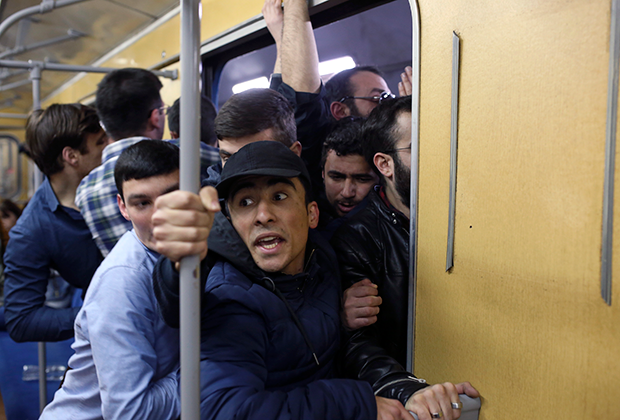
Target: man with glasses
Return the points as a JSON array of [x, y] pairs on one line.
[[373, 251], [353, 92], [130, 109]]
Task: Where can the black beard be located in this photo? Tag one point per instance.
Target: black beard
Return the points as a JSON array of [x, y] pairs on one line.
[[402, 181]]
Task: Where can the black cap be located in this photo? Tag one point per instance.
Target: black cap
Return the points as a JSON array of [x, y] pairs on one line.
[[270, 158]]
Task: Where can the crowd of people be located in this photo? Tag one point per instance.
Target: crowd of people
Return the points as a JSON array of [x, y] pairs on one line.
[[302, 226]]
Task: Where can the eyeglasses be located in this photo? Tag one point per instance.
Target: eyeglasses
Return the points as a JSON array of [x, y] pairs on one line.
[[408, 148], [382, 97], [162, 109]]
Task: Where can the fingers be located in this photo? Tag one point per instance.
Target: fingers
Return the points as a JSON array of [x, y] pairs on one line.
[[182, 222], [361, 305], [274, 18], [210, 199], [467, 389], [435, 400], [405, 85]]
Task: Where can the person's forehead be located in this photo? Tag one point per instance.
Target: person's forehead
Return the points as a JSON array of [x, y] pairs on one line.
[[153, 186], [347, 164], [236, 143], [368, 84]]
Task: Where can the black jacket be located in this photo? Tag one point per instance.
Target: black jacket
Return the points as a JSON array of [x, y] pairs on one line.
[[374, 244]]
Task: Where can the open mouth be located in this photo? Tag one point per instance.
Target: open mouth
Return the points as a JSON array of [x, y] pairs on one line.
[[268, 242], [346, 207]]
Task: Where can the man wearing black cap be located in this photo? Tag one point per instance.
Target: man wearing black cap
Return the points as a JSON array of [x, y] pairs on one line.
[[270, 312]]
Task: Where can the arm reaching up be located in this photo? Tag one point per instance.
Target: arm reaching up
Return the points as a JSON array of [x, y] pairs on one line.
[[299, 55], [274, 18]]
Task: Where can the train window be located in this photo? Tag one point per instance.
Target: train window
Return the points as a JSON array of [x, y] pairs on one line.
[[10, 167], [380, 36]]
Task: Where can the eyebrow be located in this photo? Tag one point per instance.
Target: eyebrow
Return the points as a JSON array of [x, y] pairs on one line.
[[171, 188], [353, 175], [271, 182]]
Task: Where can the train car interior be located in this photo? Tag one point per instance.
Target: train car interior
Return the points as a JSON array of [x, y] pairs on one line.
[[513, 245]]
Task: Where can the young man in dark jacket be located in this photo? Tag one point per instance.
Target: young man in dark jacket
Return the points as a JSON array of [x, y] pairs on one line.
[[377, 353], [270, 312]]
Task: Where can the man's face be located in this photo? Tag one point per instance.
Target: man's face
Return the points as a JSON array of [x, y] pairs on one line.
[[365, 83], [230, 146], [402, 159], [138, 205], [348, 179], [271, 217], [95, 143]]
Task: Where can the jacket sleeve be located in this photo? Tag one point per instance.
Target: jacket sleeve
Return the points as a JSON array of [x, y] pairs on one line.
[[166, 287], [234, 373], [313, 120], [364, 357], [125, 356], [26, 276]]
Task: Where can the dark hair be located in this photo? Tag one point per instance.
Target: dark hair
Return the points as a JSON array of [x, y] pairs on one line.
[[145, 159], [7, 207], [125, 99], [344, 138], [256, 110], [380, 130], [207, 120], [49, 131], [339, 85]]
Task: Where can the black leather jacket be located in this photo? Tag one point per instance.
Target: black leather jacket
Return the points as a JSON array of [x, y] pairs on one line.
[[374, 244]]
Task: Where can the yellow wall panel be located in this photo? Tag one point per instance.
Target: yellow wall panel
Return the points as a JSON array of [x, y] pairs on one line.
[[520, 315]]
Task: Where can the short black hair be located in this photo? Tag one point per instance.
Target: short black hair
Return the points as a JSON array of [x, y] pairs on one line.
[[339, 85], [256, 110], [207, 120], [125, 99], [49, 131], [145, 159], [344, 138], [379, 132]]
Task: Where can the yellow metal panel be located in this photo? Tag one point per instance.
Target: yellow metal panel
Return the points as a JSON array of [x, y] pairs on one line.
[[520, 315]]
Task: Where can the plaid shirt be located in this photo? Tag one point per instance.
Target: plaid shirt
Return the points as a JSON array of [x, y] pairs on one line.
[[96, 195]]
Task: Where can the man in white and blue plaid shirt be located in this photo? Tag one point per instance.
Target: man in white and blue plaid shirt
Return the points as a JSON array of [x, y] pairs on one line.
[[130, 109]]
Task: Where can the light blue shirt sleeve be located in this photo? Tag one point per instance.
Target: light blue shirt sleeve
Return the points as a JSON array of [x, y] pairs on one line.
[[126, 355]]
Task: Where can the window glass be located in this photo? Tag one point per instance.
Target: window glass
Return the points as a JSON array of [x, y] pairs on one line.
[[379, 36]]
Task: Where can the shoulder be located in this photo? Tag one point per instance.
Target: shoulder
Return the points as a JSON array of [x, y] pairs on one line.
[[127, 268], [226, 284]]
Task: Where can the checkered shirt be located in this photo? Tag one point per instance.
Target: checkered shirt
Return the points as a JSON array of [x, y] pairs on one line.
[[96, 194]]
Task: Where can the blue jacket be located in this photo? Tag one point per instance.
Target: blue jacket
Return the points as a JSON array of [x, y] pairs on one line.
[[261, 332]]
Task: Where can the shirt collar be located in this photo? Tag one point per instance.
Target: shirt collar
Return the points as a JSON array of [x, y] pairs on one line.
[[50, 197], [116, 148]]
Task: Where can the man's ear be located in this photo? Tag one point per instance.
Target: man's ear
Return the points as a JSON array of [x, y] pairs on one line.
[[384, 163], [157, 119], [122, 207], [313, 215], [339, 110], [174, 135], [296, 148], [70, 156]]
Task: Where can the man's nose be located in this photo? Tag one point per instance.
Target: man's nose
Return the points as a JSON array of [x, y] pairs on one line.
[[264, 213], [348, 191]]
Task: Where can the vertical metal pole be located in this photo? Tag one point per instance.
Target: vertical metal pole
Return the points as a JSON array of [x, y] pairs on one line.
[[190, 181], [610, 153], [454, 120], [35, 76], [415, 152]]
